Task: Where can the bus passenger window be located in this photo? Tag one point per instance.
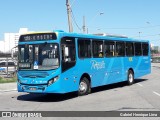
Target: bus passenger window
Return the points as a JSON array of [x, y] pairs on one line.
[[97, 48], [129, 49], [138, 49], [84, 48], [109, 49], [120, 49], [145, 49]]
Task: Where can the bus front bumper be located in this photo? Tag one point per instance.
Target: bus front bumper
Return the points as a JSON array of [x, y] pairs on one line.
[[54, 88]]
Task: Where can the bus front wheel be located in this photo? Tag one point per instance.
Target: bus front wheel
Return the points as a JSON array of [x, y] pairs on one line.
[[84, 87], [130, 77]]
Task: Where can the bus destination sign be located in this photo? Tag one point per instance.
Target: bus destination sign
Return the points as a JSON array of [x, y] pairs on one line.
[[38, 37]]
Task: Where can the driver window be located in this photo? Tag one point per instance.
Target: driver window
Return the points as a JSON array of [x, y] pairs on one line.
[[68, 53]]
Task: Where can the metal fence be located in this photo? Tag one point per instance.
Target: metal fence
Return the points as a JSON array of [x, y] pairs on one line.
[[155, 60], [8, 67]]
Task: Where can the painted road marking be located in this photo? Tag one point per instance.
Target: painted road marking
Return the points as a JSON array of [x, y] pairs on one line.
[[156, 93], [140, 84]]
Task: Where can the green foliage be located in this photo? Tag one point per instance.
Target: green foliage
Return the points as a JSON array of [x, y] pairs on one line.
[[154, 52], [7, 80]]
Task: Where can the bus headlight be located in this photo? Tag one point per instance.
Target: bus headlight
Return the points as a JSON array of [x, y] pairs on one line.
[[51, 81]]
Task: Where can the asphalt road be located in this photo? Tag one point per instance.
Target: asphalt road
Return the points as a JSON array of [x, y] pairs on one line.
[[144, 95]]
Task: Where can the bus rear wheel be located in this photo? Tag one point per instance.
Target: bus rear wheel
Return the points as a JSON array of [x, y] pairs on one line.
[[130, 77], [84, 87]]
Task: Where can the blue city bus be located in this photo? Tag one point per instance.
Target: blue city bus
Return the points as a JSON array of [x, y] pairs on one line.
[[61, 62]]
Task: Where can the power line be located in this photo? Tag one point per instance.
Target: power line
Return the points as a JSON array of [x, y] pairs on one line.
[[74, 20], [149, 35], [144, 27], [155, 40], [73, 3]]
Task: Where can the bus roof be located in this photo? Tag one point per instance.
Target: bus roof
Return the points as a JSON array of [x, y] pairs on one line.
[[98, 36], [91, 36]]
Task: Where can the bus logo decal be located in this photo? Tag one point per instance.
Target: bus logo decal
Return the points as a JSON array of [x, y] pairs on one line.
[[97, 65]]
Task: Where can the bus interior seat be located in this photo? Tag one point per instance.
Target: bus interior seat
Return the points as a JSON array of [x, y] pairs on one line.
[[50, 62]]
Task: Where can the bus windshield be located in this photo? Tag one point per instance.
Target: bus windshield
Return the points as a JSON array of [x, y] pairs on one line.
[[39, 56]]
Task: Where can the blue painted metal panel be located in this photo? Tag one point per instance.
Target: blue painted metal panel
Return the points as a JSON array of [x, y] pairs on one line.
[[102, 71]]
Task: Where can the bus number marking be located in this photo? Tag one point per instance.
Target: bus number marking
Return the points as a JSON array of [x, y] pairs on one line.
[[130, 59]]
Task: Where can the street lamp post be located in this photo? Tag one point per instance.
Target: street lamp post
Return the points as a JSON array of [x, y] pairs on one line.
[[98, 14], [139, 34], [84, 25]]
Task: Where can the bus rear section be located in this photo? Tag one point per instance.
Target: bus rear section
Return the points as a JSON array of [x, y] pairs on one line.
[[112, 60]]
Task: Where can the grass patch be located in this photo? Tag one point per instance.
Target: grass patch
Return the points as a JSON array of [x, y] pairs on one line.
[[7, 80]]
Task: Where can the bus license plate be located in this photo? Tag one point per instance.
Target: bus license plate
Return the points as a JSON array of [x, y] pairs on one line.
[[32, 88]]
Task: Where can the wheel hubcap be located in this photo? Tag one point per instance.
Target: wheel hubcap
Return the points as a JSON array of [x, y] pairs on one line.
[[130, 78], [83, 87]]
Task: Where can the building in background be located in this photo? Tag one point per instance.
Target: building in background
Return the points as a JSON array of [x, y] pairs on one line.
[[11, 40], [156, 48], [1, 46]]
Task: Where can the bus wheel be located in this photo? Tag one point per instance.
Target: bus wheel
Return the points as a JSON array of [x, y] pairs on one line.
[[130, 77], [84, 87]]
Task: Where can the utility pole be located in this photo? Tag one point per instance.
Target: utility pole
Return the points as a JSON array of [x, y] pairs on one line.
[[69, 16], [84, 25]]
